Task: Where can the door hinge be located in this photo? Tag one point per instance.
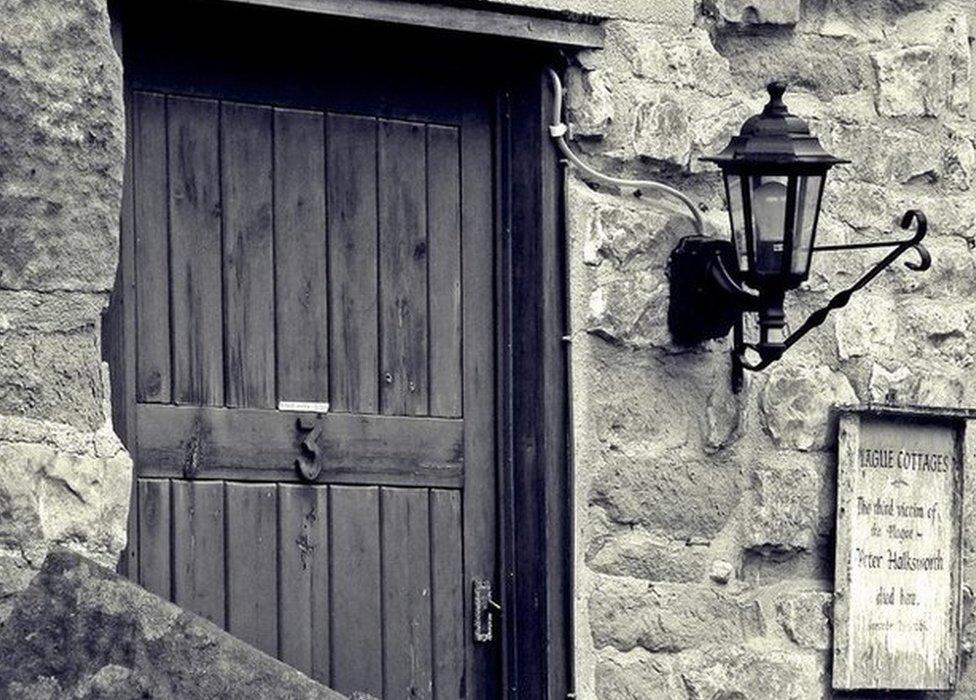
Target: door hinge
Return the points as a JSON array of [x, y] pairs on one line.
[[484, 608]]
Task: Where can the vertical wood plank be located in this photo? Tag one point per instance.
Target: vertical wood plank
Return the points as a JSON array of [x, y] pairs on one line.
[[357, 633], [153, 379], [444, 233], [252, 564], [401, 184], [322, 591], [407, 658], [351, 164], [447, 593], [478, 264], [195, 269], [154, 536], [303, 555], [301, 258], [245, 133], [198, 548]]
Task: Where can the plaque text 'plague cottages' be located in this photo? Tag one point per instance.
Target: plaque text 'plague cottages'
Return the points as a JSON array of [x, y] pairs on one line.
[[896, 609]]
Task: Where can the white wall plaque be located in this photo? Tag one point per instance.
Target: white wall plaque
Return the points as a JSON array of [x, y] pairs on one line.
[[897, 578], [304, 406]]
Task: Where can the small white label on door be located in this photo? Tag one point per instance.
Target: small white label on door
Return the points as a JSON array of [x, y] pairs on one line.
[[304, 406]]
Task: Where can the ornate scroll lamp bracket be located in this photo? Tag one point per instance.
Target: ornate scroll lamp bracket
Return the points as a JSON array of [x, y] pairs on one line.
[[839, 300]]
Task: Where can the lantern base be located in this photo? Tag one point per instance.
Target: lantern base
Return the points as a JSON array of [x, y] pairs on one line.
[[703, 306]]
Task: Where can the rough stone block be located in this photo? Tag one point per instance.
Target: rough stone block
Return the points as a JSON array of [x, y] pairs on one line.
[[928, 153], [865, 207], [939, 329], [637, 553], [931, 77], [868, 325], [908, 82], [661, 131], [718, 672], [722, 421], [590, 102], [626, 614], [722, 571], [58, 486], [940, 390], [752, 672], [49, 357], [681, 494], [677, 60], [52, 376], [891, 386], [805, 617], [796, 404], [62, 136], [82, 631], [629, 245], [777, 12], [785, 512], [823, 67], [637, 675]]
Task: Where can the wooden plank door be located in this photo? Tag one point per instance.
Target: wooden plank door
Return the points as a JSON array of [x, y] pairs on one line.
[[332, 248]]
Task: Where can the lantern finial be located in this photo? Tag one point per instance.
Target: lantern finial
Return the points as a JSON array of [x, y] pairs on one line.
[[776, 106]]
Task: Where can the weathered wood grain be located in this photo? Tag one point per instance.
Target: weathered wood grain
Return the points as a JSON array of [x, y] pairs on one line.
[[357, 659], [255, 444], [401, 181], [155, 574], [407, 648], [248, 275], [444, 260], [478, 366], [195, 269], [151, 211], [198, 548], [301, 257], [303, 554], [252, 563], [447, 594], [351, 164]]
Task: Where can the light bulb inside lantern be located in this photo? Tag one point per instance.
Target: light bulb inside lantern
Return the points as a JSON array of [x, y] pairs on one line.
[[769, 207]]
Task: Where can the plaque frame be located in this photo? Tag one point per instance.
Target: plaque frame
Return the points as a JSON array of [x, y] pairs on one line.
[[847, 673]]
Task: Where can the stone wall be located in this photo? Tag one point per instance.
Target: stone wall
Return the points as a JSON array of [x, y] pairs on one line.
[[64, 477], [705, 543]]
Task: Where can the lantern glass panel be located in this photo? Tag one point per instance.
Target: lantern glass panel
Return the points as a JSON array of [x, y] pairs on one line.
[[807, 205], [769, 195], [737, 217]]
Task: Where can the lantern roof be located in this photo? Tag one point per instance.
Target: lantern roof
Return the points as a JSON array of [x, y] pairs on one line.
[[775, 137]]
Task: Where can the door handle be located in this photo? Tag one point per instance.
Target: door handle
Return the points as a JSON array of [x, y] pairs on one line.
[[483, 609]]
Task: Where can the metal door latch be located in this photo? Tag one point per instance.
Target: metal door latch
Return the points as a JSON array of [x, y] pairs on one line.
[[484, 609]]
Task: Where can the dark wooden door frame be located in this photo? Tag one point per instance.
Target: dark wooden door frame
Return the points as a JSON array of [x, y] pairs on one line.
[[535, 472], [533, 468]]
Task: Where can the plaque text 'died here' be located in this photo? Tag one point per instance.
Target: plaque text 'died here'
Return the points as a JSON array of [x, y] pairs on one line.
[[896, 608]]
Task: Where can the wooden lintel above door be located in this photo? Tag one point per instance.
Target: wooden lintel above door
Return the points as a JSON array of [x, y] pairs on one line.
[[544, 30]]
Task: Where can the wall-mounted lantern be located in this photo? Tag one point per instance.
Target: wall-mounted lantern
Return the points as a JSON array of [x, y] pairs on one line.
[[774, 173]]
